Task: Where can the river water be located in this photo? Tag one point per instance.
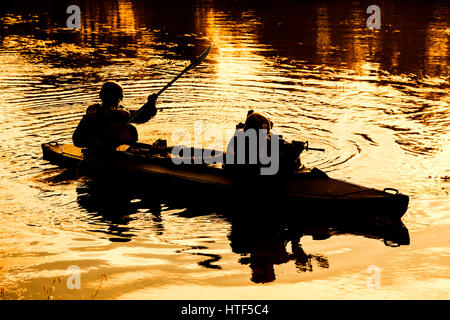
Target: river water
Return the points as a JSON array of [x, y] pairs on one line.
[[376, 100]]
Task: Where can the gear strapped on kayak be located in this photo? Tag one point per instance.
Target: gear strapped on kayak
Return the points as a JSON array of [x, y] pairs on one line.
[[255, 150], [105, 126]]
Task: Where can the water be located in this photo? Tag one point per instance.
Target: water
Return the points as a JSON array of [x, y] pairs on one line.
[[376, 100]]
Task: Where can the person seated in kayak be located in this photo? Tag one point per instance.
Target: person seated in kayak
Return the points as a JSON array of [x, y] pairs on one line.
[[253, 149], [105, 126]]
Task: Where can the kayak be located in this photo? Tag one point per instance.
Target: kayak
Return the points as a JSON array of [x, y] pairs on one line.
[[312, 191]]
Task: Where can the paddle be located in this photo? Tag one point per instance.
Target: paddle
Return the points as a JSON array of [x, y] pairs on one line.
[[193, 64]]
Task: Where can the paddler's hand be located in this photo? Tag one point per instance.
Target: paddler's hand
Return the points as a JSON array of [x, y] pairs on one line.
[[151, 104], [126, 135], [299, 145]]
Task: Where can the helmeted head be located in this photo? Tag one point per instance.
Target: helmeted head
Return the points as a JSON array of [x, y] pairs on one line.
[[257, 121], [111, 93]]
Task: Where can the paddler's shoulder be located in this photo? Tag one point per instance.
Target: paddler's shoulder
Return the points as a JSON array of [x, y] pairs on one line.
[[97, 107], [92, 110]]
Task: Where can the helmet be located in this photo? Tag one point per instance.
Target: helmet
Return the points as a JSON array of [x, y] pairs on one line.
[[111, 90], [256, 121]]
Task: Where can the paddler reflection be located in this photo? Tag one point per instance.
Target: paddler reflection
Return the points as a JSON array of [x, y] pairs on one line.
[[112, 204], [266, 246]]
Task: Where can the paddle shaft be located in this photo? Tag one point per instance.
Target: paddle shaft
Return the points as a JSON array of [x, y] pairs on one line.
[[193, 64], [173, 80], [315, 149]]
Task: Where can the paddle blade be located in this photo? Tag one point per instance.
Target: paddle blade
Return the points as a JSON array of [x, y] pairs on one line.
[[202, 57]]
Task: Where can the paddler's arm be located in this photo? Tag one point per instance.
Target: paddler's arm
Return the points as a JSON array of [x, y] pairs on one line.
[[79, 138], [148, 112]]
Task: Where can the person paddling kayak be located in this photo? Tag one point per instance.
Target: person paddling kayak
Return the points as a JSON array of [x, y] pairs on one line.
[[105, 126], [254, 150]]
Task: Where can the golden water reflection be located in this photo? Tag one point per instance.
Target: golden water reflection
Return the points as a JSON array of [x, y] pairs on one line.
[[376, 100], [340, 36]]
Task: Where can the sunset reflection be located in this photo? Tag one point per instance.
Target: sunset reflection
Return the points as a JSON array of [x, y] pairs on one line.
[[376, 101], [117, 17], [436, 43], [324, 47], [235, 47]]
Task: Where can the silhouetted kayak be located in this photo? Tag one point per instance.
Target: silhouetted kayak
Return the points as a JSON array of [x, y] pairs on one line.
[[310, 190]]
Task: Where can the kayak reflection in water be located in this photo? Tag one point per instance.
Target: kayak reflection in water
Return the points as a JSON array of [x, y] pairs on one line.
[[106, 126], [254, 150], [265, 246], [263, 260]]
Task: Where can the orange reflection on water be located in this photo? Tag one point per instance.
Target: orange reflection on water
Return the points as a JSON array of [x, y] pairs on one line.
[[323, 33], [436, 43], [385, 125], [235, 47], [118, 17]]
